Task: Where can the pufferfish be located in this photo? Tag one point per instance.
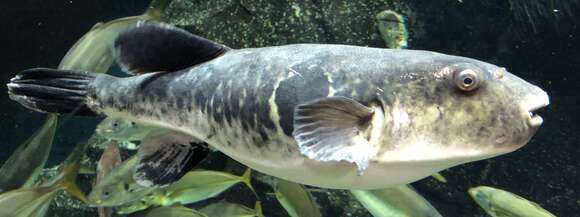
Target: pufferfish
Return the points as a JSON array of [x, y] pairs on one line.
[[332, 116]]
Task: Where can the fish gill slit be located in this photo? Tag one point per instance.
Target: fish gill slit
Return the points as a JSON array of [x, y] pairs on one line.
[[331, 89], [274, 116]]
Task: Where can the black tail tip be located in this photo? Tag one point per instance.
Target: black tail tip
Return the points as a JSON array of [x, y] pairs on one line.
[[51, 91]]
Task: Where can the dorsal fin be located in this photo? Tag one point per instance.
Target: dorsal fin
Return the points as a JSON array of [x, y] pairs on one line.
[[153, 47]]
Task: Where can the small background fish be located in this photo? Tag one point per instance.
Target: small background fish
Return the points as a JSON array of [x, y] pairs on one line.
[[110, 158]]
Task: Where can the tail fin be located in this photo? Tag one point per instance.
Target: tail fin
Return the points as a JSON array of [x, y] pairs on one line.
[[23, 167], [52, 91], [247, 180], [258, 209], [66, 180]]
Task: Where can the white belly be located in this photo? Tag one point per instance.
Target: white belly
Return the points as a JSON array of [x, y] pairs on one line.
[[284, 161], [335, 174]]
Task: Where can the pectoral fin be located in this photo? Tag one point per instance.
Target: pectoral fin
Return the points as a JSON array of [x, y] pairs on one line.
[[332, 129], [165, 159]]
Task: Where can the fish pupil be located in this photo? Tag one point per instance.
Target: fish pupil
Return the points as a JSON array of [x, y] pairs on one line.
[[467, 81]]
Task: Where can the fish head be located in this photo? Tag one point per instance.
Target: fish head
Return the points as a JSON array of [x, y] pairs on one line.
[[450, 107], [498, 202], [109, 192], [116, 128], [117, 192], [482, 196], [118, 187]]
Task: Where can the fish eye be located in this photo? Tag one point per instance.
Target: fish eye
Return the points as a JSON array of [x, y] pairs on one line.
[[115, 124], [466, 80], [106, 194], [133, 123]]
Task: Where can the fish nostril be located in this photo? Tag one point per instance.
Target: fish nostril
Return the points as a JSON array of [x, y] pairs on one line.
[[500, 73]]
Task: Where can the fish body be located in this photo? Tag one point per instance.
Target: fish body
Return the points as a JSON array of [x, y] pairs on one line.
[[41, 206], [227, 209], [25, 201], [34, 201], [333, 116], [139, 205], [393, 29], [400, 201], [195, 186], [92, 52], [172, 212], [500, 203], [25, 164], [203, 184], [110, 158], [295, 199], [242, 103], [123, 130], [118, 187]]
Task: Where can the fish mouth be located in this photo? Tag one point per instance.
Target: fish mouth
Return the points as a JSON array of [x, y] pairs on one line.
[[534, 120], [94, 203]]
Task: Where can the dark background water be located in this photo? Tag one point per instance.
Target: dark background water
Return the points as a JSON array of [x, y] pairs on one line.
[[38, 33]]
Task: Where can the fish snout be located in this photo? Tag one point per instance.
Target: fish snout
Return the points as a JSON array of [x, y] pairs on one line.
[[529, 97], [533, 101]]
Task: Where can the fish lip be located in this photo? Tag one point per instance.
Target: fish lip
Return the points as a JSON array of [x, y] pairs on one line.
[[94, 203], [472, 191], [533, 119]]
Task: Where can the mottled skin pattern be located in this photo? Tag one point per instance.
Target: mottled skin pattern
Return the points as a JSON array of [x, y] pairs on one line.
[[242, 103]]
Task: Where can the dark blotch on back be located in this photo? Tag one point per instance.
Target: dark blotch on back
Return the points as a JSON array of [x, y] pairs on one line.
[[218, 100]]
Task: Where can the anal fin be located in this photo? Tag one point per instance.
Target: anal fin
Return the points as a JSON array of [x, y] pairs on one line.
[[165, 159], [155, 47]]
